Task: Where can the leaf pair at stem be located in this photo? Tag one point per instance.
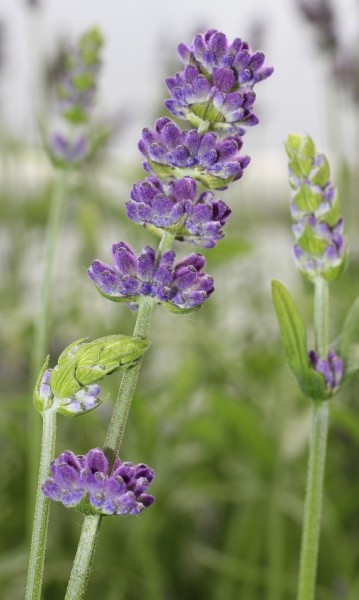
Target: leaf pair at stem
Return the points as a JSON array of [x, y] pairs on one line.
[[319, 377]]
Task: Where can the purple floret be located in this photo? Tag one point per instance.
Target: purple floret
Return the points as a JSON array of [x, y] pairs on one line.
[[217, 82], [205, 157], [87, 479], [183, 285], [332, 368], [326, 251], [175, 205], [65, 485], [68, 151]]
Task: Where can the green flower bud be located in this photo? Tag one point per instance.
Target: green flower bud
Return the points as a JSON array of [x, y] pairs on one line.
[[80, 367]]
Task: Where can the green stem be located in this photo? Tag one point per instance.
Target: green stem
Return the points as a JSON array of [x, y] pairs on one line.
[[321, 316], [42, 508], [41, 332], [316, 465], [86, 549], [51, 243]]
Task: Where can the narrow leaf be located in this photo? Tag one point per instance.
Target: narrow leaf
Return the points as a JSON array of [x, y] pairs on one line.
[[349, 339], [294, 337]]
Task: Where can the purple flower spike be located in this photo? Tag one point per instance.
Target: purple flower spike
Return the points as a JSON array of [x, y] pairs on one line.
[[321, 247], [85, 482], [169, 152], [332, 369], [216, 85], [175, 206], [182, 287]]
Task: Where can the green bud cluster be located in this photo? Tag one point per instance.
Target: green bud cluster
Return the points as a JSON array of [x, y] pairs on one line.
[[321, 247]]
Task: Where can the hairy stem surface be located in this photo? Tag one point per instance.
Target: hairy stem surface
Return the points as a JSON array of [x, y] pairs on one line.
[[317, 453], [41, 332], [42, 508]]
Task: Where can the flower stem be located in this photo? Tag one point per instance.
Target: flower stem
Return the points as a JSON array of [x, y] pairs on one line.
[[317, 452], [41, 332], [86, 549], [42, 508]]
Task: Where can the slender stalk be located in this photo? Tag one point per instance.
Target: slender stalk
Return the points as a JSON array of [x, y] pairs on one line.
[[321, 316], [51, 242], [42, 508], [316, 465], [86, 549], [41, 332]]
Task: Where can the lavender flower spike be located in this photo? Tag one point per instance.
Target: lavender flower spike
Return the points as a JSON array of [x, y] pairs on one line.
[[321, 247], [175, 206], [170, 152], [86, 483], [77, 89], [182, 287], [217, 83], [75, 96], [332, 369]]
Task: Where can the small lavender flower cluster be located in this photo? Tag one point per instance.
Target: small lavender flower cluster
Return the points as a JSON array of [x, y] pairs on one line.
[[217, 83], [182, 285], [332, 369], [321, 247], [212, 161], [75, 97], [214, 92], [87, 483]]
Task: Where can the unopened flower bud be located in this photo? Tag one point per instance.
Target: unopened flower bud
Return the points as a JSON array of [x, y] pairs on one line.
[[321, 247], [332, 369], [72, 384]]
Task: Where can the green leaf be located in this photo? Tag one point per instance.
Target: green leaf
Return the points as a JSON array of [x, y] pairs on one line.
[[307, 199], [207, 112], [62, 380], [294, 337], [38, 401], [321, 173], [301, 151], [180, 311], [83, 82], [70, 351], [103, 356], [312, 243], [76, 115], [349, 340]]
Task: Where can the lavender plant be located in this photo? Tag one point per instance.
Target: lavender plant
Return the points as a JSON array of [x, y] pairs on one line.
[[70, 145], [215, 94], [320, 253]]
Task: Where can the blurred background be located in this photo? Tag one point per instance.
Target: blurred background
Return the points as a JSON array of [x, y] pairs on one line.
[[216, 414]]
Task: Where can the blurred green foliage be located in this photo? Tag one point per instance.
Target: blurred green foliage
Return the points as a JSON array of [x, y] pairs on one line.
[[217, 413]]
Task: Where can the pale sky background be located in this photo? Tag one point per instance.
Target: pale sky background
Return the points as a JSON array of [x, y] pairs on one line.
[[295, 99]]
